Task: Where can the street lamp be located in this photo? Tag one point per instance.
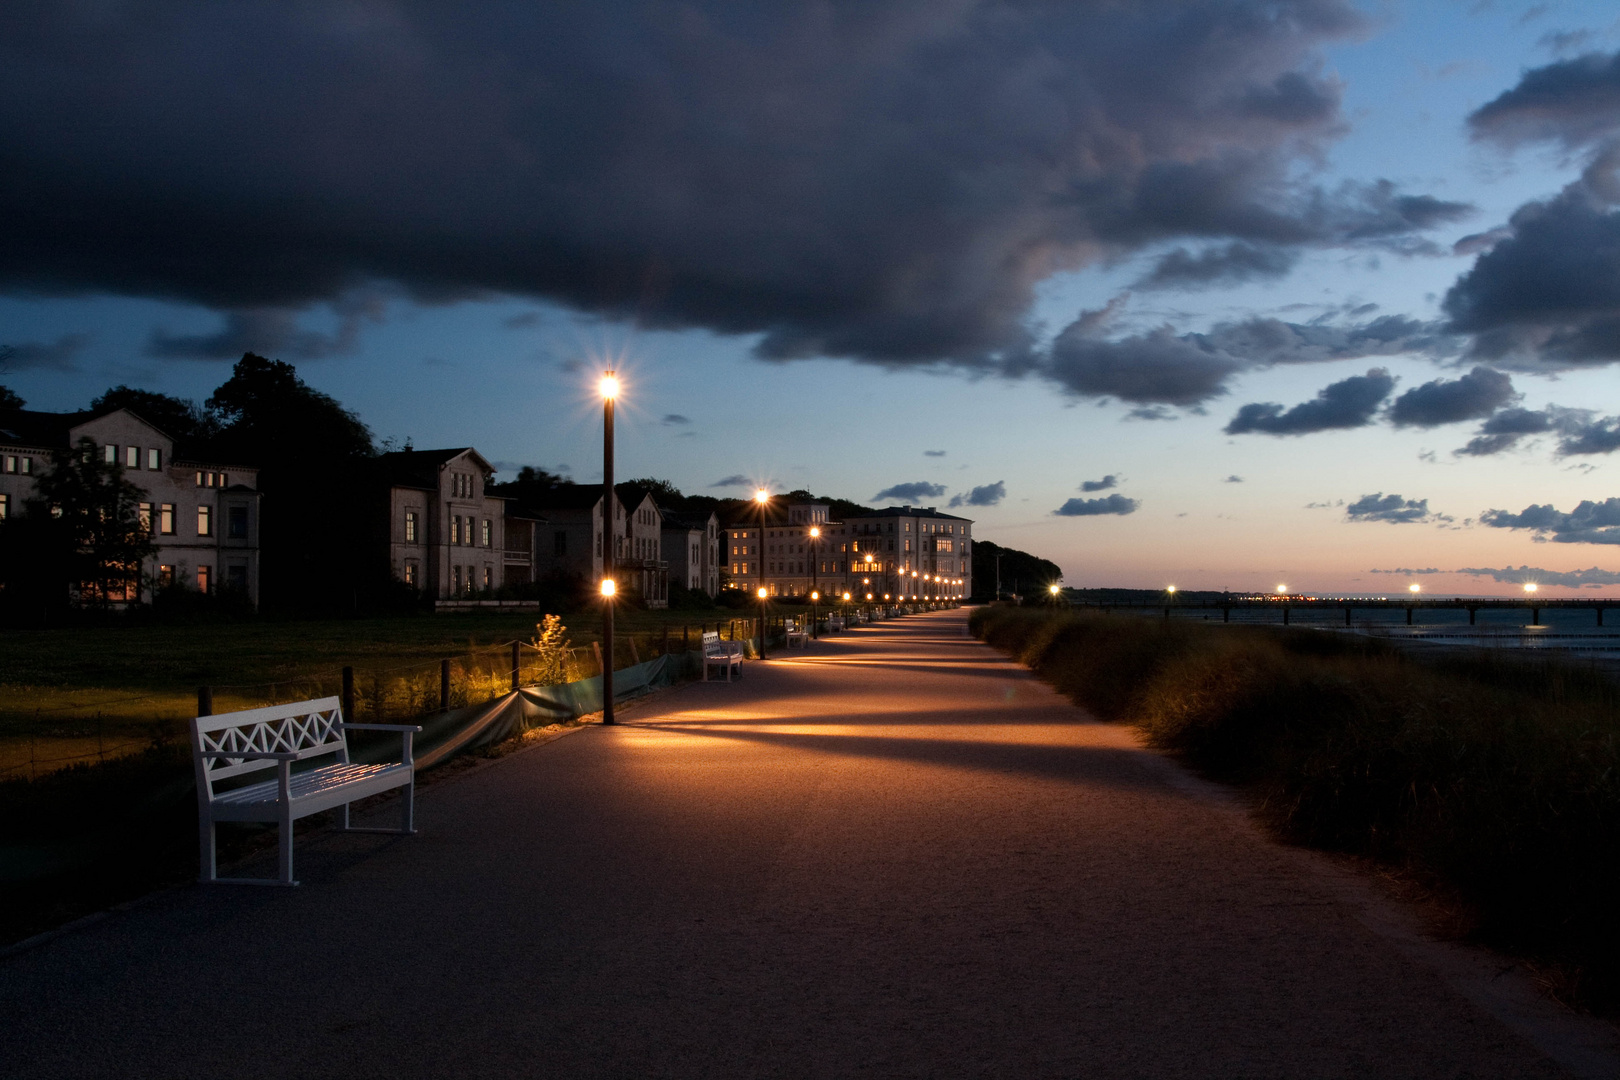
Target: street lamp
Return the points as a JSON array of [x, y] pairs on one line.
[[762, 497], [610, 392], [1053, 589]]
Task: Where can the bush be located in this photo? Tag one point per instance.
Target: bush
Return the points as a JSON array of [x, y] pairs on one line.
[[1497, 776]]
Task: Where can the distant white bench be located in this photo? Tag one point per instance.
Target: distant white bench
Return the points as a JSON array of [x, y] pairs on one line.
[[795, 633], [835, 622], [723, 654], [234, 744]]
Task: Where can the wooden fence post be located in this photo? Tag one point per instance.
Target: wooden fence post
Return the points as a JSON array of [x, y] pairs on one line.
[[205, 701], [596, 646], [517, 665], [635, 653], [444, 685], [348, 694]]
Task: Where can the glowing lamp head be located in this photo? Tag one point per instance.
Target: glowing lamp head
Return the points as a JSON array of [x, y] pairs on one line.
[[762, 496], [869, 596], [814, 532], [1171, 590], [846, 596], [762, 592], [1053, 589], [1281, 589], [1529, 586], [815, 596], [609, 386], [608, 587]]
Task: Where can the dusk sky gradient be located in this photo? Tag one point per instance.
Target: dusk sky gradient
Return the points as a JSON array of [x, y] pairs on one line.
[[1220, 294]]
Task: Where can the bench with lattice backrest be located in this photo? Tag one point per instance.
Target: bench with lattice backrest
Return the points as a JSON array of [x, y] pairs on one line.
[[230, 746], [795, 632], [722, 654]]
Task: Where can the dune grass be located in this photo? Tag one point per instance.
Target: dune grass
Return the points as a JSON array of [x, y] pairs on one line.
[[1494, 776]]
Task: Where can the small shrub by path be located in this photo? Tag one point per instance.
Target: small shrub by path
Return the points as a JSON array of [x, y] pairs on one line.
[[1498, 777]]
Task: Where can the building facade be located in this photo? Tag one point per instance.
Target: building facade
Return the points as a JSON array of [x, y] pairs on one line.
[[900, 553], [204, 516], [691, 546], [571, 539]]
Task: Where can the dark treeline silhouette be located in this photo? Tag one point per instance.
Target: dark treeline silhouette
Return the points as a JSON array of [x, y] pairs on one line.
[[1022, 574]]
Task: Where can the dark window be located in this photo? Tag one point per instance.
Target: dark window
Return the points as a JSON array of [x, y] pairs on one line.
[[236, 578], [559, 544], [236, 525]]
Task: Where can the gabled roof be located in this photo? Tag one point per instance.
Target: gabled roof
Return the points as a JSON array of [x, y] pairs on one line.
[[688, 522], [565, 497], [25, 427], [420, 468]]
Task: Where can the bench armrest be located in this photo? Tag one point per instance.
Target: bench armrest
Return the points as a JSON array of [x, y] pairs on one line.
[[252, 755], [381, 727]]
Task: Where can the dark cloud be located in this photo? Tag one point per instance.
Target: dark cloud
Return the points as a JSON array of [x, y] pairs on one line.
[[779, 170], [1392, 509], [913, 492], [1572, 102], [1598, 436], [1589, 523], [675, 420], [1349, 403], [1111, 504], [1477, 394], [933, 453], [1408, 572], [988, 495], [1233, 479], [1504, 430], [734, 480], [1104, 484], [1519, 575], [271, 332], [55, 355], [1162, 367], [522, 320], [1230, 264]]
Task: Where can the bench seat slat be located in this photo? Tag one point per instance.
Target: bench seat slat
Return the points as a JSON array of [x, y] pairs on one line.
[[312, 791]]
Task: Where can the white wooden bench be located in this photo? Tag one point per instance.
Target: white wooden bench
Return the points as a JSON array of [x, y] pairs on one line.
[[795, 633], [722, 654], [230, 745], [835, 622]]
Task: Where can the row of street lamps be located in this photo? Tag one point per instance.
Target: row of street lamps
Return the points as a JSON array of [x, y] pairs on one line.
[[609, 388]]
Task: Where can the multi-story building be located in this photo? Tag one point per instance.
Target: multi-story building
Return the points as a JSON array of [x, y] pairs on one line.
[[570, 541], [691, 546], [446, 536], [899, 553], [204, 515]]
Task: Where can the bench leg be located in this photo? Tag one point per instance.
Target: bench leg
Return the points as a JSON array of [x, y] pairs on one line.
[[206, 870], [286, 844], [407, 823], [343, 818]]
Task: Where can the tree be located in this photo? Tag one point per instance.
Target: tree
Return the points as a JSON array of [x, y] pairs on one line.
[[9, 399], [80, 532], [192, 426], [1027, 574]]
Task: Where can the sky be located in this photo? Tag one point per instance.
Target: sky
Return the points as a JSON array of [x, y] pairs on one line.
[[1213, 293]]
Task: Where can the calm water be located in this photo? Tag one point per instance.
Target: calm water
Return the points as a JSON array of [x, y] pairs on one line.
[[1570, 630]]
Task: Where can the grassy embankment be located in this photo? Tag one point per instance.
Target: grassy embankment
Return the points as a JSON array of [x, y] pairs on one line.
[[1494, 778]]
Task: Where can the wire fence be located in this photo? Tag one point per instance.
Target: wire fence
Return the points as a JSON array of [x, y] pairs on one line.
[[39, 738]]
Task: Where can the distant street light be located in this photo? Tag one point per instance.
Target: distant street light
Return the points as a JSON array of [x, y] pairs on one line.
[[610, 392], [1414, 588], [1529, 586], [1282, 590]]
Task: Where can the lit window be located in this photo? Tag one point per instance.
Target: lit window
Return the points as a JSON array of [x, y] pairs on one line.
[[205, 521], [166, 519], [410, 573], [5, 506], [11, 463], [204, 578], [144, 514], [27, 465], [489, 577], [154, 459], [165, 575], [487, 533], [132, 457], [199, 479], [410, 527], [109, 454], [224, 479], [455, 529]]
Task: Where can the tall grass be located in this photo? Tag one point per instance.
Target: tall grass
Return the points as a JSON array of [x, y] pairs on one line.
[[1496, 776]]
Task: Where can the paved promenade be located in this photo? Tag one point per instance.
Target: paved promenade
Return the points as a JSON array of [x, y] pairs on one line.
[[894, 854]]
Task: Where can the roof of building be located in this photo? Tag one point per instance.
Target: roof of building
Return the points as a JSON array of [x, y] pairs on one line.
[[686, 522], [420, 468], [27, 427], [564, 497], [907, 511]]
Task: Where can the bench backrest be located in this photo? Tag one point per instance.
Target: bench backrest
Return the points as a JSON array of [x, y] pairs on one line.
[[307, 728], [711, 640]]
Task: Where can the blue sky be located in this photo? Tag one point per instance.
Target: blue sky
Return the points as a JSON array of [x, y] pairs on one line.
[[504, 359]]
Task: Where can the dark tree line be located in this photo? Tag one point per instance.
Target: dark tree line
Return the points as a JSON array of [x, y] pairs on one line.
[[1022, 574]]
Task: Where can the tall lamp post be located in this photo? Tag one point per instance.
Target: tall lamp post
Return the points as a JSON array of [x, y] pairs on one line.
[[815, 553], [762, 497], [610, 391]]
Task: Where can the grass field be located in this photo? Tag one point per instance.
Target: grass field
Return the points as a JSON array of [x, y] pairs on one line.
[[85, 693]]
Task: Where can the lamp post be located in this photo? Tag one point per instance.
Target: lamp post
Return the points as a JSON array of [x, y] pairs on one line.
[[815, 553], [762, 497], [610, 391]]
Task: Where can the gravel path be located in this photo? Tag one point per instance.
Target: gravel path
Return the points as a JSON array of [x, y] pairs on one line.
[[893, 854]]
